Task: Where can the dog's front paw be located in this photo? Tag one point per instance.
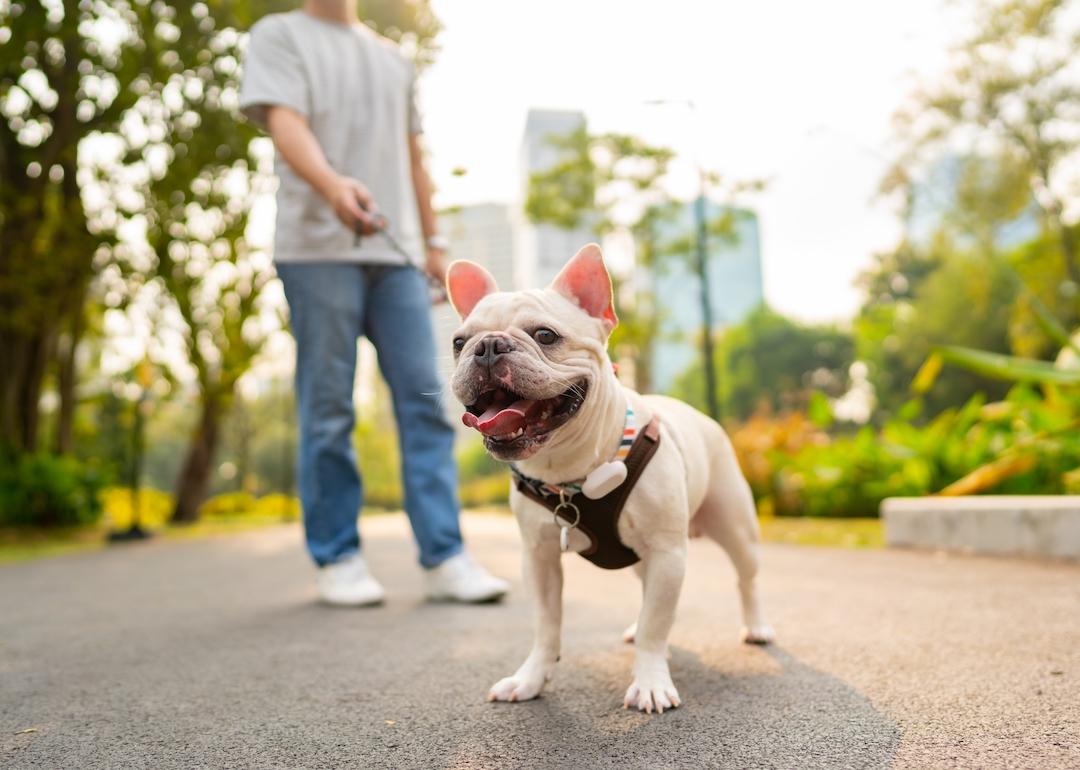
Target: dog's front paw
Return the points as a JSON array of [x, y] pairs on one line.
[[516, 688], [650, 691], [758, 634]]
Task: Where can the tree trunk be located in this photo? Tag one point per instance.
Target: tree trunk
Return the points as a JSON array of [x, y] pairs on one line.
[[22, 373], [65, 382], [194, 480]]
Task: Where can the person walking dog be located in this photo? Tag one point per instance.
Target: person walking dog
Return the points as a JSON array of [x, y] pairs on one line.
[[339, 103]]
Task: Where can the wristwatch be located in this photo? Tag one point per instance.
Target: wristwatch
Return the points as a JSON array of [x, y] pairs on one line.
[[438, 242]]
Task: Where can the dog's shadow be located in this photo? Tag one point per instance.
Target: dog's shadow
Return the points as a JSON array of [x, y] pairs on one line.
[[759, 708]]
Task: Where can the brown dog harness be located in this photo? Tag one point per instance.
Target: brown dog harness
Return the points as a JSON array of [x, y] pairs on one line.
[[598, 519]]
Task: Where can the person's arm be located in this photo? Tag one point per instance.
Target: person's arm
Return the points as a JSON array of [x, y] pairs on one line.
[[298, 146], [436, 257]]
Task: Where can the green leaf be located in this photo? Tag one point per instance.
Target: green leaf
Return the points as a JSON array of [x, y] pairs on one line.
[[1004, 367], [1051, 327], [928, 373], [818, 410]]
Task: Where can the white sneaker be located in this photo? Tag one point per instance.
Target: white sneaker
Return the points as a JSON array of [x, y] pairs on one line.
[[460, 579], [348, 583]]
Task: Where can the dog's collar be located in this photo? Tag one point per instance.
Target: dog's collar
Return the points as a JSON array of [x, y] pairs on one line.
[[567, 489]]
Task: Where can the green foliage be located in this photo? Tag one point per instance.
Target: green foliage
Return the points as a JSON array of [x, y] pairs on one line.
[[920, 300], [1020, 112], [595, 175], [1026, 444], [611, 182], [483, 481], [483, 491], [40, 490], [475, 462], [773, 362], [1009, 368], [130, 108], [380, 464]]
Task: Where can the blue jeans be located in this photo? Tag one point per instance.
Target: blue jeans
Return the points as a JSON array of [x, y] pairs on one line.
[[331, 306]]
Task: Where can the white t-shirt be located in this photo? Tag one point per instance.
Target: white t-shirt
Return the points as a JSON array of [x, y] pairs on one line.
[[356, 90]]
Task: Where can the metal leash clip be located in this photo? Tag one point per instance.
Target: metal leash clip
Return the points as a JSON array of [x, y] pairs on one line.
[[564, 526]]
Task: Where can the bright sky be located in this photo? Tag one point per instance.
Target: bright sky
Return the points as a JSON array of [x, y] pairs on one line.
[[801, 94]]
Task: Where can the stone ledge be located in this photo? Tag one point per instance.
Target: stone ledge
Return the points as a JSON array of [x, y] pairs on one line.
[[994, 524]]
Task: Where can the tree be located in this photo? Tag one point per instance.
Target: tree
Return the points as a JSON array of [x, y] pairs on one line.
[[772, 362], [59, 85], [617, 183], [1011, 92], [134, 103], [920, 297], [610, 183], [196, 202]]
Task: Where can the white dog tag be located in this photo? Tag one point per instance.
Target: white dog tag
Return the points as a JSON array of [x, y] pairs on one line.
[[564, 538], [604, 479]]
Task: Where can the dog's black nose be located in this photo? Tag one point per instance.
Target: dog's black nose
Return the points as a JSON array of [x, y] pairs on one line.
[[488, 350]]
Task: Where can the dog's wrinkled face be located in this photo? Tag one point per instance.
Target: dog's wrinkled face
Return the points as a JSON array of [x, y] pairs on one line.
[[525, 360]]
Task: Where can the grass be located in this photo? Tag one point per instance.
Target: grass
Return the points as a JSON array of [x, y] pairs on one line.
[[835, 533], [20, 544], [23, 543]]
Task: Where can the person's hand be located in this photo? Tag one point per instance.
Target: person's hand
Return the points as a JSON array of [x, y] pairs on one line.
[[353, 205], [435, 267], [436, 264]]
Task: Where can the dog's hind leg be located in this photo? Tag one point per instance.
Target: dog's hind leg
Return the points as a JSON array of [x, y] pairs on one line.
[[728, 516]]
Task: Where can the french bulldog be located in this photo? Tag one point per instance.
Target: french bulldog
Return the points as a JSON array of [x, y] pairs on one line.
[[532, 369]]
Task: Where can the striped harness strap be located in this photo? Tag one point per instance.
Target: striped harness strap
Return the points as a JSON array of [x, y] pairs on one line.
[[571, 488], [598, 519]]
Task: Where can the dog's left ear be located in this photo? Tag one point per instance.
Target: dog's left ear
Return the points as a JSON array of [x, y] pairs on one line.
[[584, 280], [466, 284]]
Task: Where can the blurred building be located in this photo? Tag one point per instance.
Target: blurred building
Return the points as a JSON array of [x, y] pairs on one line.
[[735, 283], [481, 233], [542, 250]]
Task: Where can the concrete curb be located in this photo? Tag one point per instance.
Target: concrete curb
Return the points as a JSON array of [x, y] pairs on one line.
[[992, 524]]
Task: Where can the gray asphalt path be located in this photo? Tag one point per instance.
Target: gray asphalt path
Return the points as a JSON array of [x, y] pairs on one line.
[[213, 654]]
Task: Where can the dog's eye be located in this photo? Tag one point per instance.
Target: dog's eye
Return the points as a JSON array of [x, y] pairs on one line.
[[545, 336], [459, 343]]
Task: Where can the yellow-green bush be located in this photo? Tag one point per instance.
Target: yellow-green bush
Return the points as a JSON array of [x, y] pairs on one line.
[[230, 504], [278, 506], [155, 507], [486, 490]]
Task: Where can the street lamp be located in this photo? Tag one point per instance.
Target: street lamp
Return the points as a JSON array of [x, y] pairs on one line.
[[701, 243]]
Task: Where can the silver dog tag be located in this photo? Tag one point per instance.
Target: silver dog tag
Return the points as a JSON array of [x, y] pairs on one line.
[[564, 538]]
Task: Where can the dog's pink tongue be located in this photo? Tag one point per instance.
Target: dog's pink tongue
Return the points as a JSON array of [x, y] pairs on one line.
[[498, 422]]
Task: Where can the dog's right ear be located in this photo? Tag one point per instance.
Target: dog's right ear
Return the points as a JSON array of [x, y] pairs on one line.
[[466, 284]]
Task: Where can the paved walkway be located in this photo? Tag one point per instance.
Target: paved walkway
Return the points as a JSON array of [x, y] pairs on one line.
[[213, 654]]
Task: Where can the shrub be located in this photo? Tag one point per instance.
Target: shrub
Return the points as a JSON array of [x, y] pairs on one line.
[[1027, 444], [229, 504], [42, 490], [486, 490], [284, 507], [155, 507]]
